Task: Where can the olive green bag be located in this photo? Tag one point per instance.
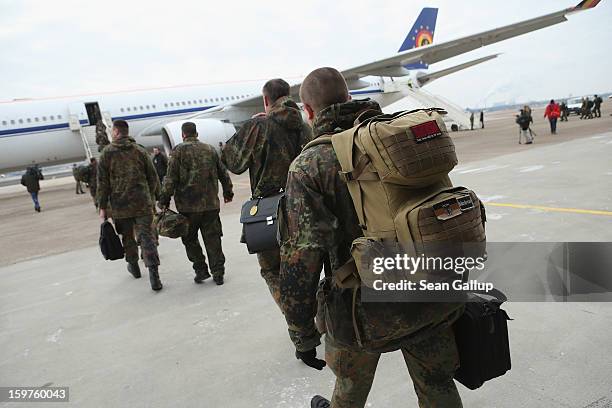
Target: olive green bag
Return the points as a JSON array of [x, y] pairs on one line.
[[396, 168]]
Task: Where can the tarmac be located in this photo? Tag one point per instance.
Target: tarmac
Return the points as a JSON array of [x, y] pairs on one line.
[[69, 318]]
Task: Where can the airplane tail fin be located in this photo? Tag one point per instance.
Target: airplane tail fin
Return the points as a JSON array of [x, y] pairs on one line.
[[586, 4], [421, 33]]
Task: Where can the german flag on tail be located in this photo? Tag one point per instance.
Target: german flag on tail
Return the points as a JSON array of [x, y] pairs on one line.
[[586, 4]]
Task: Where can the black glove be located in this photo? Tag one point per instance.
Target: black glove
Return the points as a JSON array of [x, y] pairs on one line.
[[310, 358]]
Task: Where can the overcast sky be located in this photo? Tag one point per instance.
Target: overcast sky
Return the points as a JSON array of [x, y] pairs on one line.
[[62, 47]]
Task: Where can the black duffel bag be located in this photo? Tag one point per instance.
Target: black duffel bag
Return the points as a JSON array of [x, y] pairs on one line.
[[110, 244], [481, 334], [259, 217]]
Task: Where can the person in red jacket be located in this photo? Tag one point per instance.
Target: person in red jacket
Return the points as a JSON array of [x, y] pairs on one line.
[[552, 112]]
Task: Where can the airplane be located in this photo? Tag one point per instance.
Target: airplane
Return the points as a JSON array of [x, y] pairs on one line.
[[62, 130]]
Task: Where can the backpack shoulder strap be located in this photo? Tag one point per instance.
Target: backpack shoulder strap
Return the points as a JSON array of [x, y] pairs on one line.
[[324, 139]]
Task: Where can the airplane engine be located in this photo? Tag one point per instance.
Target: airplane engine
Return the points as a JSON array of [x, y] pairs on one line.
[[211, 131]]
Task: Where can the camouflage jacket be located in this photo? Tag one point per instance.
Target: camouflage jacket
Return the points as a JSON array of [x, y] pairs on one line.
[[193, 177], [127, 180], [321, 225], [266, 146]]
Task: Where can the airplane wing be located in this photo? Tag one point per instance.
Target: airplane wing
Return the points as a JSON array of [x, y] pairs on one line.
[[429, 54], [431, 76]]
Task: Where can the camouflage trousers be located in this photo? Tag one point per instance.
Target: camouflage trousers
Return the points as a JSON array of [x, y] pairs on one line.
[[269, 263], [431, 362], [141, 229], [208, 224]]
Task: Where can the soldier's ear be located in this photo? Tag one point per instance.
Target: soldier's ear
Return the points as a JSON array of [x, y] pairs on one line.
[[309, 112]]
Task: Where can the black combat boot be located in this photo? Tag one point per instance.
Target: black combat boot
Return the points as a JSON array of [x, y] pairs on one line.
[[154, 278], [319, 402], [134, 269], [201, 275], [218, 279]]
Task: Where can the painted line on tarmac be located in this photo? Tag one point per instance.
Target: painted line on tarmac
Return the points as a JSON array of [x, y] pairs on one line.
[[553, 209]]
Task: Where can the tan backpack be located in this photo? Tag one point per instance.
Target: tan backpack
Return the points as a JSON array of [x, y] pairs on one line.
[[396, 168]]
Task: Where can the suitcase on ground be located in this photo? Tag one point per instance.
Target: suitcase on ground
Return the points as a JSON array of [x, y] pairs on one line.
[[259, 217], [110, 244], [481, 334]]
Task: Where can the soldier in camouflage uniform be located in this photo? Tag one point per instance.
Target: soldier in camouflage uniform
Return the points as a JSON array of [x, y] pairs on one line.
[[128, 183], [321, 224], [193, 177], [93, 179], [101, 137], [266, 145]]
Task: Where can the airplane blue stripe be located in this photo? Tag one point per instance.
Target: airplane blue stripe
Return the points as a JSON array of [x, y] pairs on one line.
[[366, 92], [19, 131]]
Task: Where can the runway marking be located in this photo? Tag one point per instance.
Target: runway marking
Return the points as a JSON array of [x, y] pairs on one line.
[[553, 209]]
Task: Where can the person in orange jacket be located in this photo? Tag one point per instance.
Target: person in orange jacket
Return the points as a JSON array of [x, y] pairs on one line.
[[552, 112]]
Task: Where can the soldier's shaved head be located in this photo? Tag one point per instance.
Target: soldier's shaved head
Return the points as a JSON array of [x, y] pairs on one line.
[[189, 129], [275, 89], [323, 87], [122, 127]]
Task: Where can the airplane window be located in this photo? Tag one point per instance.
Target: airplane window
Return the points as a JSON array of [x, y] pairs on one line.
[[153, 106], [44, 118], [36, 119], [52, 117], [59, 116], [141, 108], [148, 107], [135, 109], [29, 120], [200, 101], [20, 120], [183, 103], [216, 99], [188, 102], [122, 109], [12, 122], [171, 103], [165, 105], [4, 123], [128, 109]]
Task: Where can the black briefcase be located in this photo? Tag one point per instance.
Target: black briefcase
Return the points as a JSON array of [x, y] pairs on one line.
[[481, 334], [110, 244], [259, 217]]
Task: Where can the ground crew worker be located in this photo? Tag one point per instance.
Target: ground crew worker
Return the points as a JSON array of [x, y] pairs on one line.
[[160, 161], [472, 120], [77, 179], [128, 183], [321, 224], [193, 178], [31, 181], [552, 112], [266, 145], [482, 119], [93, 179], [597, 101]]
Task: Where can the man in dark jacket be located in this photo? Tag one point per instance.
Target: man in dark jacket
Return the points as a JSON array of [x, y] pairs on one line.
[[193, 179], [266, 145], [160, 161], [31, 180], [128, 183], [597, 101], [77, 179], [321, 225]]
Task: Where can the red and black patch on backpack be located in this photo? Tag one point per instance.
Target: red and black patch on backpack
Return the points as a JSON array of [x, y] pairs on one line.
[[426, 131]]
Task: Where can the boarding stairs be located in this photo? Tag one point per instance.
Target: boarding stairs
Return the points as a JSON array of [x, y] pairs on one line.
[[88, 134], [456, 115]]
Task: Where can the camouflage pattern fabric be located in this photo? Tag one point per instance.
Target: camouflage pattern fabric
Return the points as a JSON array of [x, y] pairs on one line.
[[266, 146], [172, 225], [93, 181], [193, 177], [127, 180], [208, 224], [321, 224], [269, 264], [431, 362], [101, 136], [141, 229]]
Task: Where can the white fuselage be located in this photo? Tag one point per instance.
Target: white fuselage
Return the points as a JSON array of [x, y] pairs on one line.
[[37, 131]]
